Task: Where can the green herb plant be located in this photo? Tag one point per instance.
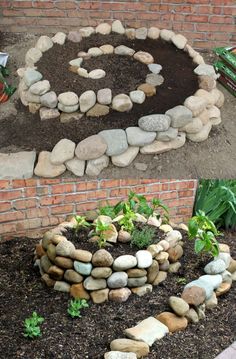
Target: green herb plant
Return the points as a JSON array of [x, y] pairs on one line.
[[32, 326], [126, 222], [75, 306], [142, 238], [111, 211], [203, 230], [181, 280], [100, 228], [81, 223]]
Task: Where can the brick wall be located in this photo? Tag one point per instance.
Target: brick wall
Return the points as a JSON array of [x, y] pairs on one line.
[[206, 23], [27, 205]]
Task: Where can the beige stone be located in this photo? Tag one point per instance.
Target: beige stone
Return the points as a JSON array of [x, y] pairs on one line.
[[56, 272], [148, 89], [172, 321], [119, 295], [141, 349], [100, 296], [161, 276], [78, 291]]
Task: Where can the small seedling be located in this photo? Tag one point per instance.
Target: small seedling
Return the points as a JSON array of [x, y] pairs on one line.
[[81, 223], [142, 238], [32, 326], [181, 280], [75, 306], [126, 222], [100, 228]]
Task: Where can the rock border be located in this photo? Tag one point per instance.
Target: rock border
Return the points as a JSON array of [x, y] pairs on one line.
[[154, 134]]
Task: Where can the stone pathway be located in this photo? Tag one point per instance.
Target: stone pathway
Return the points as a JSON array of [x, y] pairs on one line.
[[229, 353]]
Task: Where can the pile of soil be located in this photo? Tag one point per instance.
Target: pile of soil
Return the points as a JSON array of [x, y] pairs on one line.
[[89, 336], [27, 131]]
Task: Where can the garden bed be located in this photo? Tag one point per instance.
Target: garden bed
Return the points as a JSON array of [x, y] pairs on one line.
[[89, 337]]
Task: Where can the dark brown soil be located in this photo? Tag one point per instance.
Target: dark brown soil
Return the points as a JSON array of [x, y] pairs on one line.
[[123, 74], [21, 292]]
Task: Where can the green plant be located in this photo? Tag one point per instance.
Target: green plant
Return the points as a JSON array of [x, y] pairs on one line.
[[142, 238], [126, 222], [217, 198], [181, 280], [81, 223], [100, 228], [111, 211], [75, 306], [31, 326], [203, 230]]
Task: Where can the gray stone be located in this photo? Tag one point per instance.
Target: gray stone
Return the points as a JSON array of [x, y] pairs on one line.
[[87, 31], [94, 167], [136, 282], [31, 76], [44, 43], [32, 56], [119, 355], [155, 68], [67, 109], [179, 306], [168, 135], [166, 34], [97, 74], [148, 331], [101, 272], [122, 103], [69, 117], [74, 36], [124, 50], [118, 27], [83, 268], [141, 166], [201, 135], [154, 122], [59, 38], [159, 147], [124, 262], [116, 141], [117, 280], [180, 116], [215, 267], [72, 276], [137, 137], [95, 51], [137, 96], [205, 70], [64, 248], [40, 87], [91, 148], [49, 99], [141, 33], [48, 113], [144, 289], [94, 284], [17, 165], [76, 62], [207, 282], [144, 259], [154, 79], [45, 168], [62, 286], [226, 257], [179, 41], [103, 28], [63, 151], [87, 100], [104, 96], [126, 158], [192, 316], [68, 98], [76, 166]]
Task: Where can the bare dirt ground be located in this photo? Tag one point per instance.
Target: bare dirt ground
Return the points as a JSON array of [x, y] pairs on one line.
[[214, 158]]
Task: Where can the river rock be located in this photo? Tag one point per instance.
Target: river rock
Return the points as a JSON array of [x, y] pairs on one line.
[[195, 104], [76, 63], [168, 135], [104, 96], [161, 277], [87, 31], [94, 167], [40, 87], [74, 36], [154, 122], [141, 33], [100, 296], [124, 236], [153, 33], [62, 286], [94, 284], [119, 355], [44, 43], [72, 276], [119, 295], [138, 137], [82, 255], [63, 262], [130, 33], [152, 271], [83, 268], [69, 117], [215, 267], [154, 79], [136, 273], [102, 258], [192, 316], [68, 109], [76, 166], [137, 282], [95, 51], [68, 98], [141, 349], [31, 76], [59, 38], [166, 34], [63, 151], [175, 253], [180, 116], [124, 262], [103, 28], [107, 49], [126, 158], [179, 41], [116, 141], [159, 146], [91, 147], [78, 291], [65, 248], [117, 280], [118, 27], [122, 103], [137, 96], [226, 257], [148, 89], [144, 259], [193, 127], [101, 272], [87, 100], [144, 57], [212, 301], [98, 110], [207, 83], [124, 50], [206, 70], [194, 295], [201, 135], [45, 168], [49, 99], [82, 72], [179, 306], [97, 74], [172, 321], [144, 289], [223, 288], [155, 68], [32, 56], [207, 282]]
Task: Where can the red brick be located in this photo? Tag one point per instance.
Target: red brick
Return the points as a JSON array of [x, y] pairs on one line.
[[63, 188], [87, 206], [168, 195], [43, 4], [8, 228], [221, 20], [51, 200], [89, 5], [87, 185], [186, 193], [11, 12], [6, 195], [97, 194], [22, 4], [24, 203], [65, 209], [66, 5], [4, 184], [110, 183], [37, 212], [74, 198], [11, 216], [50, 221], [5, 206], [196, 18]]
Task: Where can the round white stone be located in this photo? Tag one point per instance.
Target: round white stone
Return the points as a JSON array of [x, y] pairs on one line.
[[144, 259]]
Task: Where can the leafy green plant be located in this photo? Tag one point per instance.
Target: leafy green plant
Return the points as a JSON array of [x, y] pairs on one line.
[[203, 230], [100, 228], [126, 222], [217, 198], [32, 326], [81, 223], [142, 238], [111, 211], [75, 306], [181, 280]]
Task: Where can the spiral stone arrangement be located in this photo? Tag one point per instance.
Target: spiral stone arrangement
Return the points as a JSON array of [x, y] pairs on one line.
[[155, 133]]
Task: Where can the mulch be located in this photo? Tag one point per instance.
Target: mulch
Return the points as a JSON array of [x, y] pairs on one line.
[[21, 293], [27, 131]]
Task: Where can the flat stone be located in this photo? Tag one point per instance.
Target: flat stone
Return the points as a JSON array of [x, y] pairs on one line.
[[124, 262], [87, 100], [102, 258], [207, 282], [98, 110], [141, 166], [62, 286], [69, 117], [207, 83], [104, 96], [32, 56], [100, 296], [64, 248], [194, 295], [49, 99], [155, 68], [148, 89], [172, 321], [68, 98], [153, 33], [94, 284], [154, 79], [68, 109], [201, 135], [162, 258], [72, 276], [119, 355], [148, 331], [87, 31], [82, 72], [101, 272], [144, 259], [116, 141], [214, 115], [179, 41], [126, 158], [137, 96], [91, 148], [138, 137], [76, 166], [44, 43], [180, 116], [76, 62], [45, 168], [74, 36], [205, 70], [59, 38], [141, 33], [107, 49], [119, 295], [63, 151], [223, 288], [122, 103], [141, 349], [154, 122], [17, 165], [136, 282], [94, 167], [95, 51], [118, 27], [215, 267], [97, 74], [46, 264], [152, 271], [161, 277], [40, 87], [193, 127], [195, 104], [179, 306], [117, 280], [159, 147], [81, 255], [124, 50], [168, 135], [136, 273], [166, 34], [78, 291], [103, 28], [144, 57], [31, 76], [144, 289], [62, 262]]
